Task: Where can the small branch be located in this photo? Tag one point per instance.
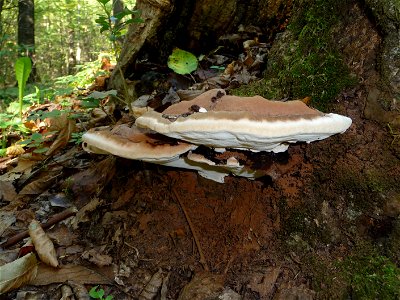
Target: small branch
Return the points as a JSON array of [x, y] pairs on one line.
[[52, 221], [196, 240]]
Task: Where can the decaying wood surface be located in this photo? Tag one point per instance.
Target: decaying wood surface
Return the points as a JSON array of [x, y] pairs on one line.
[[191, 25]]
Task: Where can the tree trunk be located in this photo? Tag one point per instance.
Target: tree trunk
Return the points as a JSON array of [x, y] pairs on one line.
[[26, 32], [191, 25], [1, 22]]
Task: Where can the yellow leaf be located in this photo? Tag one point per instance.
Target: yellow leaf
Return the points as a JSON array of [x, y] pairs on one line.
[[15, 150]]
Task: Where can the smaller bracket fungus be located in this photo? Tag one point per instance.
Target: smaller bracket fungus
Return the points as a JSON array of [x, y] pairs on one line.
[[134, 143], [247, 123]]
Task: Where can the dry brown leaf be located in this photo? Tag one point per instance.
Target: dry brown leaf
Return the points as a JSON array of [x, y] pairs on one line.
[[83, 214], [17, 273], [97, 258], [264, 283], [90, 182], [66, 292], [7, 191], [151, 289], [79, 274], [203, 286], [41, 184], [43, 245], [7, 218], [15, 150], [64, 134]]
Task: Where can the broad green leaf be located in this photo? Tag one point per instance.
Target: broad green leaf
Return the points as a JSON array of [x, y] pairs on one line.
[[125, 12], [23, 67], [182, 62], [101, 95], [90, 103], [104, 2], [41, 150]]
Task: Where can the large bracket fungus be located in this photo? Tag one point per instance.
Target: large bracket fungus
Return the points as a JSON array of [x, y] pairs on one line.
[[248, 123], [195, 134]]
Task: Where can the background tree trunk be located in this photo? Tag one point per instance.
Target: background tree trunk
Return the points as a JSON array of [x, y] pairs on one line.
[[26, 32], [192, 25]]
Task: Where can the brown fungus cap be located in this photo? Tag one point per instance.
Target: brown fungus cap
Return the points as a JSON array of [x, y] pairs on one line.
[[215, 119]]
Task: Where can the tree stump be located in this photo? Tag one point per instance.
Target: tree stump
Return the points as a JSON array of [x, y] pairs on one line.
[[195, 26]]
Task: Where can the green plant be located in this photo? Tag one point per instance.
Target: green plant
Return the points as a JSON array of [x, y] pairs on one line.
[[37, 140], [76, 138], [23, 68], [115, 24], [8, 123], [99, 294], [182, 62]]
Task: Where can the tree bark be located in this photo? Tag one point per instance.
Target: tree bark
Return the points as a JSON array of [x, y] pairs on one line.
[[26, 32], [191, 25]]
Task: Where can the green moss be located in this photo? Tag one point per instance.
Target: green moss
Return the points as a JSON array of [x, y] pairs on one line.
[[371, 276], [365, 274], [304, 62]]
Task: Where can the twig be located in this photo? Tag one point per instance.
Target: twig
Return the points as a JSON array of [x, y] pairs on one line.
[[52, 221], [196, 240]]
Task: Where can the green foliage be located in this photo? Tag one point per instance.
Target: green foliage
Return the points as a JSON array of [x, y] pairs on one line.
[[37, 140], [116, 25], [98, 294], [8, 54], [85, 75], [372, 277], [23, 68], [182, 62], [76, 138], [44, 114]]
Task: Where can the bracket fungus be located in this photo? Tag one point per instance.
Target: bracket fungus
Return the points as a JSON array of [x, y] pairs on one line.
[[248, 123], [134, 143], [195, 134]]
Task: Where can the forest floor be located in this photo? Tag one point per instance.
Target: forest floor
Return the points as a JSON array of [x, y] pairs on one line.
[[279, 238]]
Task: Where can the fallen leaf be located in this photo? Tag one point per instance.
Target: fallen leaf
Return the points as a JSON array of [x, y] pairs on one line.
[[264, 283], [43, 245], [150, 291], [83, 214], [97, 258], [79, 274], [89, 183], [7, 191], [202, 286], [6, 220], [66, 292], [15, 150], [17, 273], [41, 184], [63, 136]]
